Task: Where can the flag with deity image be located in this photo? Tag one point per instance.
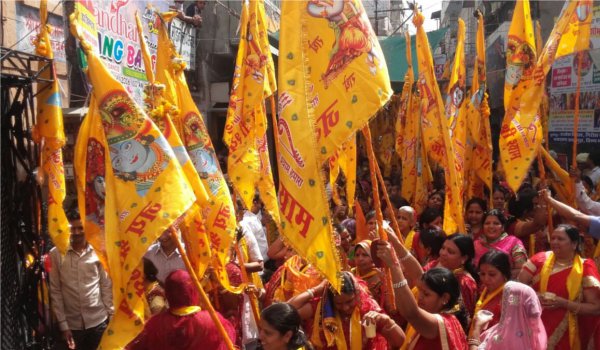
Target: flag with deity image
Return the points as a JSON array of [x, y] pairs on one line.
[[145, 190], [332, 79]]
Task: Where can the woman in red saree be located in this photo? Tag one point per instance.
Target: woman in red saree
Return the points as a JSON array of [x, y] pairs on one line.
[[365, 269], [456, 255], [433, 317], [184, 325], [569, 290], [334, 321], [495, 238], [494, 272]]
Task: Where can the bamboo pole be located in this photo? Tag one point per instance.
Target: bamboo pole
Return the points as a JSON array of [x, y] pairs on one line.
[[386, 196], [203, 296], [576, 117], [382, 234], [245, 280]]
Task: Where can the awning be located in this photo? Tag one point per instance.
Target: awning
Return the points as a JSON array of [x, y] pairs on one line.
[[394, 50]]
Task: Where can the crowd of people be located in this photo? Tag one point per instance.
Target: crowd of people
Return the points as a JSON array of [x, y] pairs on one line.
[[522, 275]]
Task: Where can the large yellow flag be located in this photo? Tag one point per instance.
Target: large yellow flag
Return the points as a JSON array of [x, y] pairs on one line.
[[219, 214], [435, 132], [145, 190], [245, 129], [576, 36], [407, 130], [49, 131], [521, 134], [344, 160], [478, 112], [332, 79], [160, 111], [456, 106]]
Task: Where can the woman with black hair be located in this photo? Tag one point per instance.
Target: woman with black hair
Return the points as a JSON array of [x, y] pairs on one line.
[[569, 290], [430, 241], [336, 320], [457, 256], [430, 218], [280, 328], [433, 317], [531, 217], [494, 272], [474, 215], [494, 237]]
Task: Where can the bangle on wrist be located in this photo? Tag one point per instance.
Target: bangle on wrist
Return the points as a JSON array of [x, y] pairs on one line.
[[400, 284], [310, 292], [390, 326]]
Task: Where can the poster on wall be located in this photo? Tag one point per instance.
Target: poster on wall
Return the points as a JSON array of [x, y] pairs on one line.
[[110, 28], [28, 24], [563, 86]]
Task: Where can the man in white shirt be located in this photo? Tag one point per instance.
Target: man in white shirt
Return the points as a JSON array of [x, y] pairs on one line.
[[80, 291], [165, 256], [252, 220]]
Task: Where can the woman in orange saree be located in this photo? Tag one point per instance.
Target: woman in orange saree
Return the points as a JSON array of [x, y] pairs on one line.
[[569, 290]]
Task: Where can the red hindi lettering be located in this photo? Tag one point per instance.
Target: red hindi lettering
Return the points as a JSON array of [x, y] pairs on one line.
[[513, 149], [329, 118]]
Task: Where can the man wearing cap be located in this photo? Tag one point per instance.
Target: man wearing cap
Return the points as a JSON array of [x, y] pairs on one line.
[[582, 163]]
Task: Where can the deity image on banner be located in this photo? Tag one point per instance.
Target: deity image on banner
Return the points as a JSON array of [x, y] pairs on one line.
[[520, 58], [136, 155], [352, 36], [95, 189]]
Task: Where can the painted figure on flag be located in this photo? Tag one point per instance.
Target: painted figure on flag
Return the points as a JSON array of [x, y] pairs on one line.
[[521, 60], [137, 157], [95, 189], [202, 156], [351, 27]]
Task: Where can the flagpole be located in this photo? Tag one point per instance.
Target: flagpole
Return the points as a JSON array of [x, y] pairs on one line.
[[274, 119], [205, 300], [389, 204], [576, 119], [373, 165], [542, 171], [246, 280]]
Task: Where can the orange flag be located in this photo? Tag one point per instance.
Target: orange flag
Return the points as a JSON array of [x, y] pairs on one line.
[[145, 190], [330, 64], [436, 137], [49, 131]]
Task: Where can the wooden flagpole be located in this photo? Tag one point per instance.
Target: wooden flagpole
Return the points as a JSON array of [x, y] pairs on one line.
[[203, 296], [382, 234]]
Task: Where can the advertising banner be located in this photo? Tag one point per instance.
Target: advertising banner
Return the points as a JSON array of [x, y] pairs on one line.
[[563, 86]]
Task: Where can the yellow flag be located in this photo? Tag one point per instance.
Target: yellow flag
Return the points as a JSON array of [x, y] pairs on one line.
[[245, 134], [344, 160], [145, 191], [577, 35], [330, 64], [161, 111], [219, 214], [436, 137], [49, 131], [521, 134], [407, 130], [479, 133], [456, 107]]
